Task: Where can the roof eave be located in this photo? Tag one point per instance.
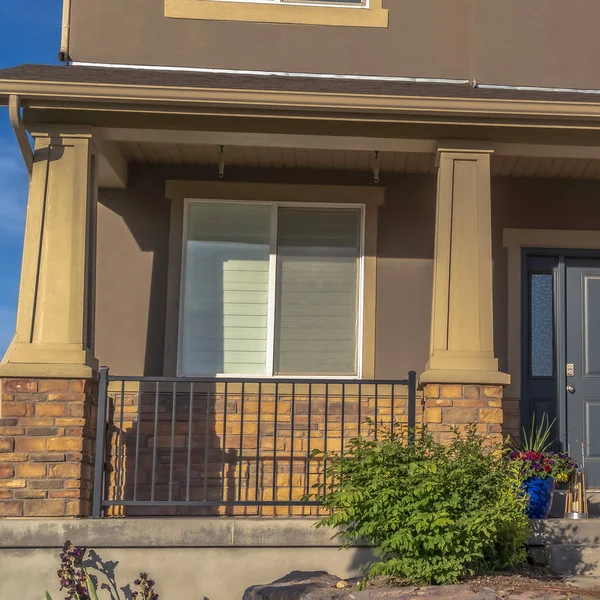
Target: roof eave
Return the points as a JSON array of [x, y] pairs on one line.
[[167, 98]]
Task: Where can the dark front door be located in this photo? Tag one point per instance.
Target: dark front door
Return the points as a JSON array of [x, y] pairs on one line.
[[582, 370], [561, 351]]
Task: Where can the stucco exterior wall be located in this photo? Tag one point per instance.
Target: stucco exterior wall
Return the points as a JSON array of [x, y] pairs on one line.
[[528, 203], [133, 247], [133, 259], [131, 285], [538, 42]]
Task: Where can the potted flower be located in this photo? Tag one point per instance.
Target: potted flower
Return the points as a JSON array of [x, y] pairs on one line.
[[541, 468]]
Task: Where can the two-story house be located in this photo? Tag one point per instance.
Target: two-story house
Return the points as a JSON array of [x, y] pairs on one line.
[[263, 217]]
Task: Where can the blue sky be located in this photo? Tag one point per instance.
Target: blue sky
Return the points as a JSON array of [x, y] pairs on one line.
[[29, 33]]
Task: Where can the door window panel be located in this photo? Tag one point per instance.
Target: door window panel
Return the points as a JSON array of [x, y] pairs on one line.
[[542, 324]]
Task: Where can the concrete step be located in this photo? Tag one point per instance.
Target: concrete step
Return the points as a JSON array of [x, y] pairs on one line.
[[585, 532], [574, 560], [570, 548]]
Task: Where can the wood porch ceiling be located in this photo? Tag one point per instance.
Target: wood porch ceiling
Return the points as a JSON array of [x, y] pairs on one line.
[[347, 160]]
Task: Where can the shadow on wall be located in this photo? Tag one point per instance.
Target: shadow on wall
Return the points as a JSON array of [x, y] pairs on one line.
[[107, 569], [131, 286], [164, 447], [133, 258], [405, 246], [104, 577], [234, 448]]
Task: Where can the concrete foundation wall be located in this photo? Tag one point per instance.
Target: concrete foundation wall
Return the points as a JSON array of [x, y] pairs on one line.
[[190, 559]]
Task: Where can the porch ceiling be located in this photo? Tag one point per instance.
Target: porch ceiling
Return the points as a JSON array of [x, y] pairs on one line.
[[347, 160], [287, 158]]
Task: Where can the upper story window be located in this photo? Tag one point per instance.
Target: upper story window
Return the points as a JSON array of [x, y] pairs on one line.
[[364, 3], [305, 12], [271, 289]]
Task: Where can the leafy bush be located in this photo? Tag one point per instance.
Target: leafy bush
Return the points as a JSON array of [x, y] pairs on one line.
[[433, 513]]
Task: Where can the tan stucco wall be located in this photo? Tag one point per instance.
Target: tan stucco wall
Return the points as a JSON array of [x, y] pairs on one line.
[[133, 258], [132, 269], [538, 42], [405, 276], [529, 203], [131, 285]]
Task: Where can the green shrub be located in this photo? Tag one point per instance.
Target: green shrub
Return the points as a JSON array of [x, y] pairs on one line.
[[433, 513]]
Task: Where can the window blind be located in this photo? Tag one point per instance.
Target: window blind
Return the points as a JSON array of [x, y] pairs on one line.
[[224, 326], [318, 252]]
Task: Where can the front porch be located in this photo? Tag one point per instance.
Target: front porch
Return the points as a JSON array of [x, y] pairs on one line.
[[164, 239]]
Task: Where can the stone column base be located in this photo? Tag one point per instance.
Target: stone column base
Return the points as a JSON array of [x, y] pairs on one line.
[[457, 405], [47, 434]]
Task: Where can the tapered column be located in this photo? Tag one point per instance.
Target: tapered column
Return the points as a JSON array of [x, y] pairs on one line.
[[54, 332], [462, 340], [48, 392], [461, 383]]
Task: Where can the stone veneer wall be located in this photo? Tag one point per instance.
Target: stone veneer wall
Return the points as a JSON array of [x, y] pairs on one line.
[[459, 405], [47, 432]]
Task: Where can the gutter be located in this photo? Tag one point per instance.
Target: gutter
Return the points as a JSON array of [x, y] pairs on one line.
[[165, 99], [63, 54], [430, 110], [14, 111]]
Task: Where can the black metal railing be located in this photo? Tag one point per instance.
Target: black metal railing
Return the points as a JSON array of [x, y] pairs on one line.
[[208, 446]]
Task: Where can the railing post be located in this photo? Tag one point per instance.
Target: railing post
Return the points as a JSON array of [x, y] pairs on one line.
[[100, 444], [412, 405]]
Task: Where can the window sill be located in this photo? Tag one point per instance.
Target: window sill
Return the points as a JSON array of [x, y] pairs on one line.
[[214, 10]]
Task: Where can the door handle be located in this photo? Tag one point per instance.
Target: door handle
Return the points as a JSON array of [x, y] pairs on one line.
[[570, 389]]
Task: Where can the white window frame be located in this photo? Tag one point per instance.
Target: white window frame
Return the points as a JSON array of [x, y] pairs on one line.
[[272, 287]]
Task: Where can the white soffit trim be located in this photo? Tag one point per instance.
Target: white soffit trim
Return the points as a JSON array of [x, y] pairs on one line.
[[333, 142]]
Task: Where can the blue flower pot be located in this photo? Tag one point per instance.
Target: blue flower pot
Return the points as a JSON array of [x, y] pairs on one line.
[[540, 492]]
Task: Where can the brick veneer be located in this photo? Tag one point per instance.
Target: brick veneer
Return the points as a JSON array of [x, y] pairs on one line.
[[235, 442], [459, 405], [47, 431]]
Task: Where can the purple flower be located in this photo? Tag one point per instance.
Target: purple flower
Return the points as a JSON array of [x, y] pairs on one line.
[[147, 588], [71, 574]]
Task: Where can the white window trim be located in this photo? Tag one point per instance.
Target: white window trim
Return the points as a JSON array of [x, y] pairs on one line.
[[332, 3], [272, 288]]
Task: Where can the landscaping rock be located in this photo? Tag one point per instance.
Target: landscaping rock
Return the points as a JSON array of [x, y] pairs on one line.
[[319, 585], [298, 585]]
